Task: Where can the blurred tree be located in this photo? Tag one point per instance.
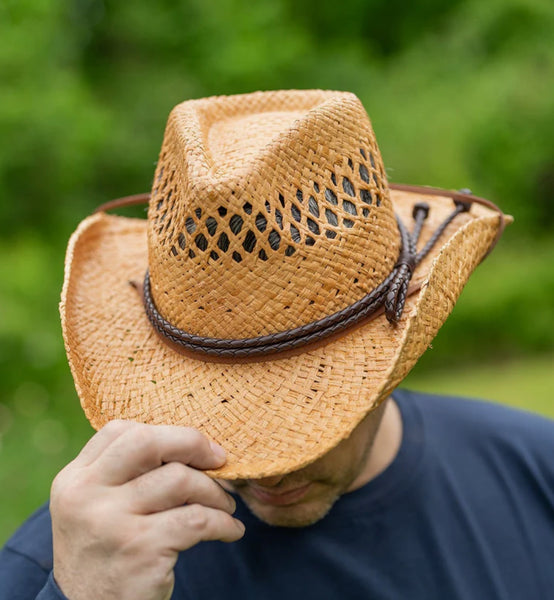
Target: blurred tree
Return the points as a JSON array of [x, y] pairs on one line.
[[87, 86]]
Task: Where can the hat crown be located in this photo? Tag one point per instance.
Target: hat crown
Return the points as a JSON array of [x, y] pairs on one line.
[[268, 211]]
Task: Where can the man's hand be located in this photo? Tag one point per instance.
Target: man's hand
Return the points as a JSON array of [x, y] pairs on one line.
[[129, 503]]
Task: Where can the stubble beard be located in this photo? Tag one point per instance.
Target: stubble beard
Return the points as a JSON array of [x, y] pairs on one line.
[[326, 490]]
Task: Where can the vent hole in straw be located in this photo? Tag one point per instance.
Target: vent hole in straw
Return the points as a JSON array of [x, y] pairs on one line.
[[331, 217], [237, 257], [173, 250], [375, 179], [190, 225], [222, 211], [331, 234], [268, 206], [377, 199], [348, 187], [349, 207], [330, 196], [372, 160], [299, 196], [274, 239], [350, 164], [362, 152], [262, 255], [348, 223], [223, 242], [295, 234], [334, 178], [313, 206], [316, 187], [235, 223], [364, 173], [160, 204], [279, 218], [249, 241], [201, 242], [198, 212], [214, 255], [365, 211], [182, 241], [282, 200], [211, 224], [313, 226], [295, 212], [192, 254], [309, 241], [366, 197], [290, 250], [247, 208], [261, 222]]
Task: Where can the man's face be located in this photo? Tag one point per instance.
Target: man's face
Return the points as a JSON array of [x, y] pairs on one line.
[[305, 496]]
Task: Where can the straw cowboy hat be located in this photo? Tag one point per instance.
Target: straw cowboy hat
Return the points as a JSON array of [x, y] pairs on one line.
[[280, 288]]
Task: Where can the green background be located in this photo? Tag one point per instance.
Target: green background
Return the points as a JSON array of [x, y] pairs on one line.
[[460, 95]]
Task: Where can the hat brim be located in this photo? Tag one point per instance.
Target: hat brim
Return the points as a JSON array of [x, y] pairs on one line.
[[273, 416]]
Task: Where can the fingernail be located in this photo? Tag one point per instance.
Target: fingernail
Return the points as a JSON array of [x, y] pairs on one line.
[[218, 451]]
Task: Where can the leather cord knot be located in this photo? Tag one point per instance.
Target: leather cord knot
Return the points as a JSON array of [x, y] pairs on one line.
[[409, 257], [405, 265]]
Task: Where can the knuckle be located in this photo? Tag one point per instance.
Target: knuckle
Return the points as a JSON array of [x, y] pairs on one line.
[[130, 537], [177, 470], [113, 527], [117, 426], [58, 484], [144, 438], [194, 436], [65, 495], [180, 474], [197, 518]]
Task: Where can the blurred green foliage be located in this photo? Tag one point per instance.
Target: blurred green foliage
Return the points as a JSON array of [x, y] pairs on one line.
[[460, 95]]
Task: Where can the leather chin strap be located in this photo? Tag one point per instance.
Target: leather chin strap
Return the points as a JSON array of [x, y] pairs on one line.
[[388, 297]]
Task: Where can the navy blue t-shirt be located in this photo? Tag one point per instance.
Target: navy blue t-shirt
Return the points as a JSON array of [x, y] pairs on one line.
[[465, 511]]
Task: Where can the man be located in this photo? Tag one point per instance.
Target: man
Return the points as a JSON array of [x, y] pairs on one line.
[[240, 354]]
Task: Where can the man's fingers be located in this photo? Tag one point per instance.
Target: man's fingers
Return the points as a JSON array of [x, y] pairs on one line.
[[183, 527], [145, 447], [173, 485], [101, 440]]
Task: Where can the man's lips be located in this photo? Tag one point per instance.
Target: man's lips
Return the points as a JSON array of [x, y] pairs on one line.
[[279, 497]]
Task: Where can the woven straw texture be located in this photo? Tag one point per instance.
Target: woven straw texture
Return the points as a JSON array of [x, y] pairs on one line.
[[268, 211], [273, 184]]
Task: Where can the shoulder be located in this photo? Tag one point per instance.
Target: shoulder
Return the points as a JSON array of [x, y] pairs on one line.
[[33, 540], [476, 413], [492, 430]]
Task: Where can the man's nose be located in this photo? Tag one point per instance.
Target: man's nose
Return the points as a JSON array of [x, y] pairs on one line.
[[268, 481]]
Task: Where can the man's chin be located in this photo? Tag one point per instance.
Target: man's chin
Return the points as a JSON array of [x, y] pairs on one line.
[[301, 514]]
